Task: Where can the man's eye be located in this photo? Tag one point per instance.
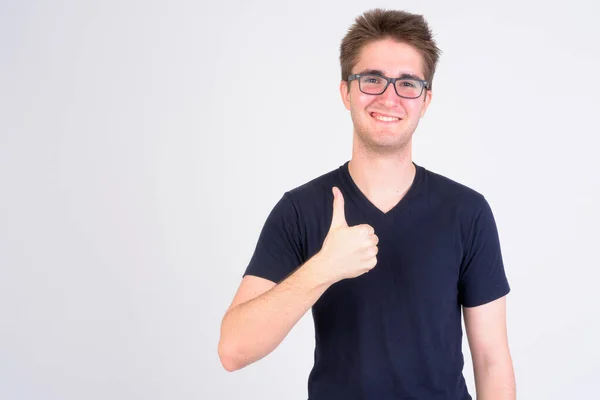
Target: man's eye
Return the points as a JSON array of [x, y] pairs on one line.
[[407, 84]]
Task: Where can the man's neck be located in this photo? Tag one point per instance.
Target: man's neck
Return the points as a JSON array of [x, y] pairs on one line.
[[382, 177]]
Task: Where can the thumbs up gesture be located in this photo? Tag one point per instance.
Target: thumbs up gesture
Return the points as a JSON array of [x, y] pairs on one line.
[[349, 251]]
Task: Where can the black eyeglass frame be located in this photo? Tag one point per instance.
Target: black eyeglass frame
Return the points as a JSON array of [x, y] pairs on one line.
[[424, 83]]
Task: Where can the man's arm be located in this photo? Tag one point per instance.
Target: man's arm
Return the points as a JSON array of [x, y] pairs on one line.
[[262, 313], [488, 342]]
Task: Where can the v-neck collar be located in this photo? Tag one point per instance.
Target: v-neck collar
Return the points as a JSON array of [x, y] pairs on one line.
[[369, 207]]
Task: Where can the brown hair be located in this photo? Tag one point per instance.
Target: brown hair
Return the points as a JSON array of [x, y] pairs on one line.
[[400, 26]]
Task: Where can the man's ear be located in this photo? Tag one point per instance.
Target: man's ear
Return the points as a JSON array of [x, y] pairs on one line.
[[345, 94], [426, 101]]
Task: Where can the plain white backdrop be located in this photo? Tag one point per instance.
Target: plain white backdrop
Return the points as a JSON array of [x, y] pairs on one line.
[[143, 144]]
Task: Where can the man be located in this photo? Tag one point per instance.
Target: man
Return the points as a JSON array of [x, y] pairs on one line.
[[429, 244]]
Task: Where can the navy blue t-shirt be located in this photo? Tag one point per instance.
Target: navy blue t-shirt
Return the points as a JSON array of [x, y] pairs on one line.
[[395, 332]]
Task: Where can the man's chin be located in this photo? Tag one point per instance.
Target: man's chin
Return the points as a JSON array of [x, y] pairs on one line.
[[383, 141]]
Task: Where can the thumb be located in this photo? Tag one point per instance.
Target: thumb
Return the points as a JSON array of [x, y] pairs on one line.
[[339, 217]]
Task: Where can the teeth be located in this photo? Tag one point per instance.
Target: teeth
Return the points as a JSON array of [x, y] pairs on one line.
[[388, 119]]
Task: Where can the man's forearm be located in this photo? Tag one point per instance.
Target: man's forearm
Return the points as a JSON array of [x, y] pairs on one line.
[[253, 329], [495, 381]]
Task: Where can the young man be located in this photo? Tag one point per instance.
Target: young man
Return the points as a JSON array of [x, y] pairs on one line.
[[429, 244]]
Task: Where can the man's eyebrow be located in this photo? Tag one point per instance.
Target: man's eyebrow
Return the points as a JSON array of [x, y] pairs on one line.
[[410, 76], [371, 71], [379, 72]]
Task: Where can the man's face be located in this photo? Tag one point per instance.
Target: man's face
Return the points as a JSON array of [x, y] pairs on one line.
[[393, 59]]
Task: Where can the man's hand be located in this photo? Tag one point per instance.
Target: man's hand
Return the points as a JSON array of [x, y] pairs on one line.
[[348, 251]]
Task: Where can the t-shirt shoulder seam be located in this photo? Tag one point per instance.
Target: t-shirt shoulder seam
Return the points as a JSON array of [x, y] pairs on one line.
[[459, 186]]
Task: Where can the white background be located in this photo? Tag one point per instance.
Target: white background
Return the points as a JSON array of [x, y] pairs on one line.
[[143, 144]]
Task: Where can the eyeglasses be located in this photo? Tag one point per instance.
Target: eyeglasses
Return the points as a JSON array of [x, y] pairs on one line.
[[408, 88]]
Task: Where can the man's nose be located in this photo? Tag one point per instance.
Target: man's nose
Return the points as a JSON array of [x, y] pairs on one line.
[[390, 95]]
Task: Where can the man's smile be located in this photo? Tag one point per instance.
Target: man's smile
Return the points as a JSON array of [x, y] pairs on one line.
[[385, 118]]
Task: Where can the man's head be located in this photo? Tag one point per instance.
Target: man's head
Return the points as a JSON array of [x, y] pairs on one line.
[[392, 44]]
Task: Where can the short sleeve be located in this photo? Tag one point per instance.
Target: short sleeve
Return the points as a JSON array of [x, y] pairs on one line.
[[278, 251], [483, 278]]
